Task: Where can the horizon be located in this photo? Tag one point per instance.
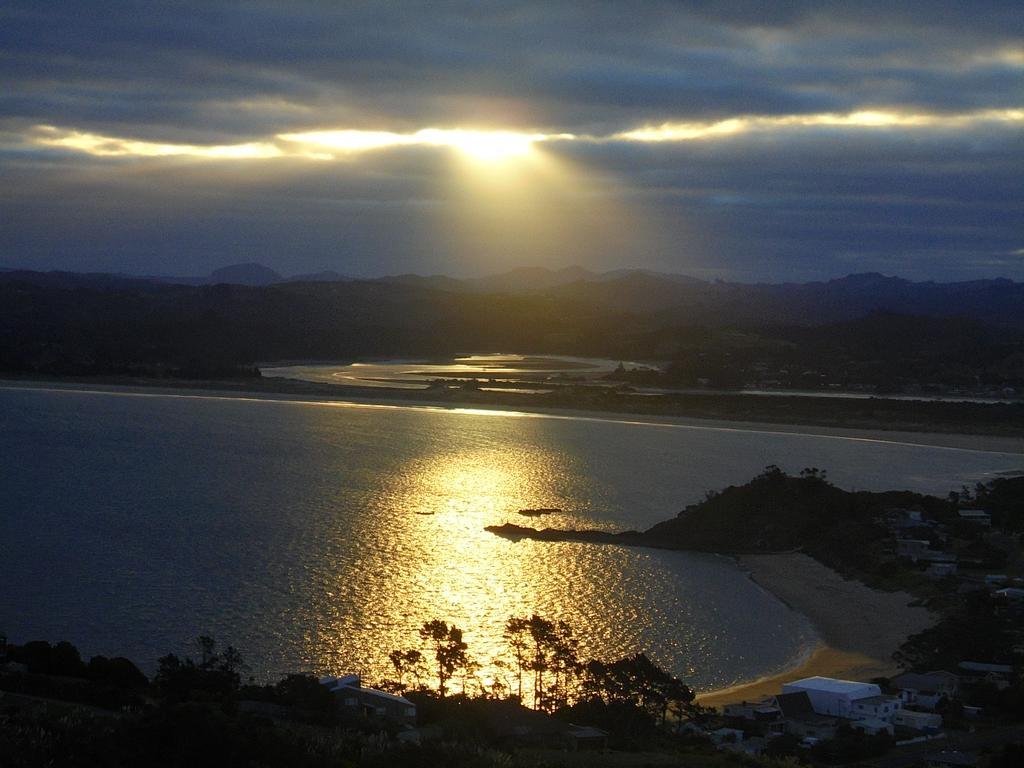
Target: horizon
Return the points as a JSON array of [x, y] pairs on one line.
[[725, 141], [573, 268]]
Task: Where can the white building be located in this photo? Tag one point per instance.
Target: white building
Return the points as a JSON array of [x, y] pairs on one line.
[[882, 708], [839, 698]]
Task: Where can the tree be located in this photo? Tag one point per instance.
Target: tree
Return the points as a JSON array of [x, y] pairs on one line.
[[406, 662], [544, 647], [215, 677], [638, 681], [515, 634], [449, 650], [207, 651]]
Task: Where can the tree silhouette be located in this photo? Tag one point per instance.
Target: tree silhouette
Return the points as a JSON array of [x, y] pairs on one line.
[[449, 650]]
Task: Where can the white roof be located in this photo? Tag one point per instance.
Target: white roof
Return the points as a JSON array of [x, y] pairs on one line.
[[385, 695], [832, 685]]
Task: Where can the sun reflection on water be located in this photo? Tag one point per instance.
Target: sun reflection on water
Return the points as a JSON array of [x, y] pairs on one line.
[[411, 546]]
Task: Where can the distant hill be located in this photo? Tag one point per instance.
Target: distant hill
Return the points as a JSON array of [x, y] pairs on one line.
[[246, 274], [327, 276], [669, 299]]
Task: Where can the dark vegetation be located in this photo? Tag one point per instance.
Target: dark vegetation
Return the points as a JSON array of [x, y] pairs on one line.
[[56, 709], [135, 331], [778, 512], [860, 332]]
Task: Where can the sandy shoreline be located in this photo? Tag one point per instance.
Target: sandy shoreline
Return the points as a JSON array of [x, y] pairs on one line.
[[860, 627], [947, 440]]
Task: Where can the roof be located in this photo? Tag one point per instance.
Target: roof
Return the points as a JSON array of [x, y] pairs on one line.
[[834, 685], [373, 692], [928, 682], [1011, 592], [978, 666], [877, 700], [586, 732], [794, 704]]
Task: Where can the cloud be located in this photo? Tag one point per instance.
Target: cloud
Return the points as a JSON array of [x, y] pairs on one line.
[[753, 139]]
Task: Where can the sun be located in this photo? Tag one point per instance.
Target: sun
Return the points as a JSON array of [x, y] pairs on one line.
[[486, 146]]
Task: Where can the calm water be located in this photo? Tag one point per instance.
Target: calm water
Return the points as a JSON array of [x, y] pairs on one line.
[[410, 374], [320, 536]]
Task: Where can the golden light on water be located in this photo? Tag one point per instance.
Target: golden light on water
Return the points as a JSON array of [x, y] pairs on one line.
[[414, 548]]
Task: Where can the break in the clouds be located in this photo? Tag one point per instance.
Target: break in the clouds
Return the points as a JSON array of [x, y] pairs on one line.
[[745, 140]]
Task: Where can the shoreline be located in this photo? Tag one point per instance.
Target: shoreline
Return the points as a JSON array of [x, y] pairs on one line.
[[859, 627], [400, 399]]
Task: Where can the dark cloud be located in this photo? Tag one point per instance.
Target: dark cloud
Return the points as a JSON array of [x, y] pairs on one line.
[[772, 205]]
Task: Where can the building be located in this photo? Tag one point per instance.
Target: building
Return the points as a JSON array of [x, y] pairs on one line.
[[951, 759], [915, 549], [835, 698], [976, 516], [800, 718], [918, 721], [1010, 594], [981, 672], [940, 570], [926, 690], [873, 726], [882, 708], [369, 701]]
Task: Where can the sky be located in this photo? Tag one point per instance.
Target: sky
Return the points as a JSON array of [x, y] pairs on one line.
[[749, 141]]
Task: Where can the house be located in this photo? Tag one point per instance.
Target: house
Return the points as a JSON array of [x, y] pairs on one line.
[[801, 719], [935, 556], [726, 736], [369, 701], [833, 697], [918, 721], [915, 549], [926, 690], [873, 726], [981, 672], [906, 519], [1010, 594], [586, 737], [765, 714], [941, 570], [976, 516], [882, 708]]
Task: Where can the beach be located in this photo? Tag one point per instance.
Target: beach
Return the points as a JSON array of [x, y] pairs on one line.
[[288, 390], [859, 627]]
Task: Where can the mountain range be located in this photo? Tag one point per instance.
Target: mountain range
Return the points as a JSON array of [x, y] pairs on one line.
[[670, 298]]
